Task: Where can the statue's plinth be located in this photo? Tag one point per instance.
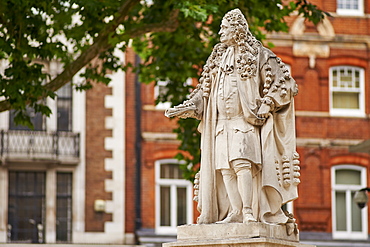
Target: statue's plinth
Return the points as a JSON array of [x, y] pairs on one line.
[[235, 235]]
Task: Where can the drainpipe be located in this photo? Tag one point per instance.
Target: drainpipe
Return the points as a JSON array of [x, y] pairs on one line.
[[137, 148]]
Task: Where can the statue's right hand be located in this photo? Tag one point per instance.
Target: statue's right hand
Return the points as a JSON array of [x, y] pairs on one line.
[[171, 112], [183, 110]]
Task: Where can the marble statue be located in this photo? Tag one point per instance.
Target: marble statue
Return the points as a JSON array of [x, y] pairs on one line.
[[244, 99]]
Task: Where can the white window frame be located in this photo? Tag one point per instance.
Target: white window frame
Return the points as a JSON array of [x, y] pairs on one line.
[[352, 12], [348, 189], [341, 112], [173, 184], [161, 105], [167, 104]]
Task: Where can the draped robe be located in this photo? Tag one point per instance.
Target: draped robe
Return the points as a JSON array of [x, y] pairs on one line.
[[275, 180]]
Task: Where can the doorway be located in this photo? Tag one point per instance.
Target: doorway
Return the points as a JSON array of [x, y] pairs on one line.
[[26, 206]]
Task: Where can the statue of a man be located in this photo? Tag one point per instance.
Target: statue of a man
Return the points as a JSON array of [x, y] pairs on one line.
[[244, 99]]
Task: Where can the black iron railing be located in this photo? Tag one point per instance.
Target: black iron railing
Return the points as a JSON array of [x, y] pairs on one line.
[[39, 144]]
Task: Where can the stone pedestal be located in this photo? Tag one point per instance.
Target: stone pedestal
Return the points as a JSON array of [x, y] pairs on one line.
[[235, 235]]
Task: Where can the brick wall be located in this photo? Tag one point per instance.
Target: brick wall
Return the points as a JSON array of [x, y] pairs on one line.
[[95, 155], [130, 213], [325, 136]]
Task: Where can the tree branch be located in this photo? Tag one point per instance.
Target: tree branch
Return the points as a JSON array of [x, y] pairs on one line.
[[168, 25], [100, 45]]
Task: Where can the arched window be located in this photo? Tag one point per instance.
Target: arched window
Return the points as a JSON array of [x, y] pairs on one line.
[[349, 221], [174, 194], [347, 91]]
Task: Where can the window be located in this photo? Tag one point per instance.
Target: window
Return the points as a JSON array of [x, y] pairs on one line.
[[64, 108], [347, 91], [350, 7], [349, 221], [36, 119], [26, 207], [64, 207], [161, 89], [288, 207], [174, 204], [64, 113], [28, 203]]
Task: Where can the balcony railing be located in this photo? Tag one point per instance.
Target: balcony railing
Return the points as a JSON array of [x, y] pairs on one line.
[[41, 145]]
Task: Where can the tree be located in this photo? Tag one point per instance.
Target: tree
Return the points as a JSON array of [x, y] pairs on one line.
[[172, 37]]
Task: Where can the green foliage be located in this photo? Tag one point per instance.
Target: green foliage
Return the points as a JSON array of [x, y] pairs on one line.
[[310, 11], [174, 39], [190, 141], [35, 32]]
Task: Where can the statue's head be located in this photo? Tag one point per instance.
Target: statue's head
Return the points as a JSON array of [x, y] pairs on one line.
[[234, 26]]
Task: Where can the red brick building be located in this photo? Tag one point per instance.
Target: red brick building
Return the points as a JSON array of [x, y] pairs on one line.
[[331, 64]]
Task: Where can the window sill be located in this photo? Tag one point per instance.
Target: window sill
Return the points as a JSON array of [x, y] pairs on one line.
[[347, 113], [350, 12], [350, 236], [166, 231]]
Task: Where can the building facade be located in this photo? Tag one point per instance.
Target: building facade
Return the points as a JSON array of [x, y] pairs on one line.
[[101, 169], [330, 63], [64, 181]]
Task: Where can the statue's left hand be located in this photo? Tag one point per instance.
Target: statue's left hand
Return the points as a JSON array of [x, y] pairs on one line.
[[264, 111]]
